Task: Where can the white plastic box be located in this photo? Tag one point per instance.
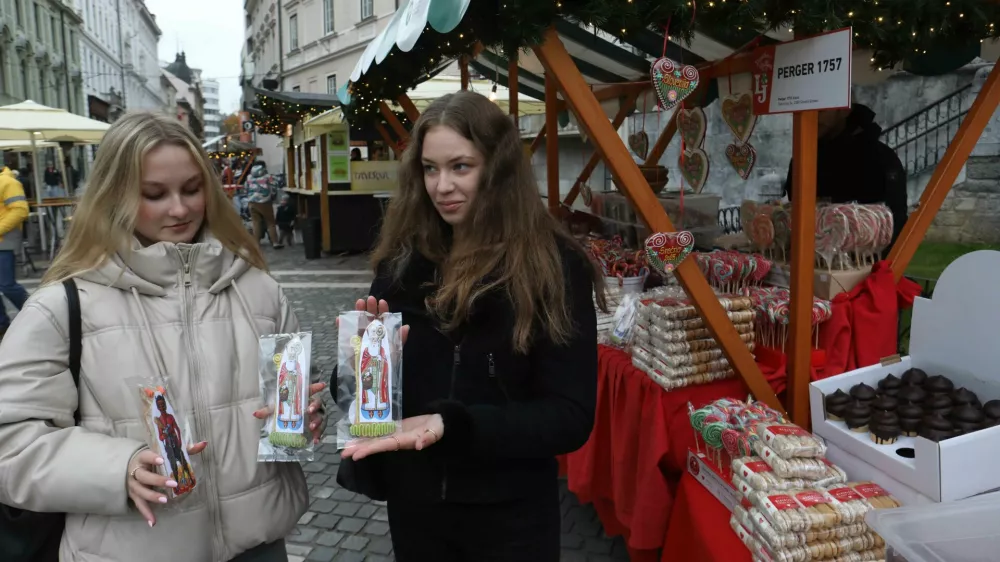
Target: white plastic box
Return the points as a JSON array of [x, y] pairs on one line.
[[955, 334]]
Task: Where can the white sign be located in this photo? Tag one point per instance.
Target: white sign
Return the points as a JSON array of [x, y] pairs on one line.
[[803, 75]]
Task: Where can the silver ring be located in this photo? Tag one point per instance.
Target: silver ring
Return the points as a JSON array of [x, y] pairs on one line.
[[434, 433], [397, 442], [132, 474]]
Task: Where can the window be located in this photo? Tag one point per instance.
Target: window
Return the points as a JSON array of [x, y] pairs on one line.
[[367, 9], [327, 17], [38, 20], [293, 32], [55, 33], [331, 84], [296, 89], [25, 91], [17, 11]]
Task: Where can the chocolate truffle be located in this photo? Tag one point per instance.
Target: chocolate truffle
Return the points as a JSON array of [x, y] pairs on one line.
[[934, 434], [911, 395], [962, 396], [937, 423], [884, 433], [863, 393], [890, 382], [967, 414], [882, 417], [966, 427], [937, 403], [909, 411], [992, 409], [856, 417], [914, 377], [836, 405], [884, 404], [938, 384], [909, 426]]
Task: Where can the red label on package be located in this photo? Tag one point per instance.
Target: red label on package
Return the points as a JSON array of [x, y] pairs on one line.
[[845, 494], [870, 490], [745, 503], [756, 467], [783, 502], [810, 498], [786, 430]]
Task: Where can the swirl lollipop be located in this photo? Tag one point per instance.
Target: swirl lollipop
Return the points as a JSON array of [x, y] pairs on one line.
[[712, 434], [731, 442]]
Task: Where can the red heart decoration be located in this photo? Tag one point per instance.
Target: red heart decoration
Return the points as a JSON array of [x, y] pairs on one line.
[[666, 250], [767, 454]]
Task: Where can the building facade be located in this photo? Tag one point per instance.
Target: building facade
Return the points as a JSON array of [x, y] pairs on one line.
[[189, 101], [140, 41], [213, 116], [39, 54], [261, 68], [323, 40]]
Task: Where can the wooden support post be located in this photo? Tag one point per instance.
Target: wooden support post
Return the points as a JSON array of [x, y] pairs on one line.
[[538, 139], [290, 156], [804, 133], [307, 159], [411, 110], [324, 198], [463, 68], [390, 118], [387, 138], [558, 64], [624, 111], [551, 141], [666, 135], [946, 173], [512, 89], [246, 169]]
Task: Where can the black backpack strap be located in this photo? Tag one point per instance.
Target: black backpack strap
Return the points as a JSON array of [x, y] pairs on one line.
[[75, 336]]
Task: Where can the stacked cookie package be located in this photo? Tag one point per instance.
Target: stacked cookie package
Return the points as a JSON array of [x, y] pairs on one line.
[[673, 345]]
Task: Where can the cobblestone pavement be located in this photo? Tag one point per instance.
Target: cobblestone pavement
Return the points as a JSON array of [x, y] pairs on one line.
[[341, 526]]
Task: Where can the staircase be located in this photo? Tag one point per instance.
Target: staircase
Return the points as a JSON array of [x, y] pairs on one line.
[[921, 139]]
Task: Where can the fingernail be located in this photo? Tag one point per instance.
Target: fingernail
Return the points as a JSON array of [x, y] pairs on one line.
[[163, 499], [150, 523], [159, 460], [171, 484], [312, 409]]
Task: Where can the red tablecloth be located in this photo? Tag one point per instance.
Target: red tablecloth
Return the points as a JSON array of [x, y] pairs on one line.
[[699, 528], [637, 450]]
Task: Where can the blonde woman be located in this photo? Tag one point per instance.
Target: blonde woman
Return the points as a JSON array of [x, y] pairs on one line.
[[170, 285]]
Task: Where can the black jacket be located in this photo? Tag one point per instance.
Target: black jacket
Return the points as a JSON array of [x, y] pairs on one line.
[[506, 415], [855, 166], [285, 216]]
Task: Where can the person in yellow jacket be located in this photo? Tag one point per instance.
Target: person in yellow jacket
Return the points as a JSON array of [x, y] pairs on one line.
[[13, 212]]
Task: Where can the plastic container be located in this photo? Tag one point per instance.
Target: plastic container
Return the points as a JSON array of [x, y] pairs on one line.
[[626, 284], [960, 531]]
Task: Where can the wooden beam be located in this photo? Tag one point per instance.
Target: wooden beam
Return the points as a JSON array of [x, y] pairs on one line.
[[324, 199], [538, 140], [390, 118], [666, 135], [552, 141], [463, 67], [290, 157], [558, 64], [624, 111], [412, 113], [246, 169], [387, 138], [804, 133], [512, 89], [307, 160], [946, 173]]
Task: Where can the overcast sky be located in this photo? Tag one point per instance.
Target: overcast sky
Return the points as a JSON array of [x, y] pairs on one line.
[[210, 32]]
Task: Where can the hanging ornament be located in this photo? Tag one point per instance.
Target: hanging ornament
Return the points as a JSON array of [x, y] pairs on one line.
[[692, 125], [639, 143], [586, 194], [672, 81], [742, 157], [666, 250], [694, 167], [737, 112]]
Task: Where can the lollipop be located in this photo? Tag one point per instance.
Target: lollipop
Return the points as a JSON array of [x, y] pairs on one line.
[[831, 233], [782, 221], [712, 434], [763, 231], [731, 442]]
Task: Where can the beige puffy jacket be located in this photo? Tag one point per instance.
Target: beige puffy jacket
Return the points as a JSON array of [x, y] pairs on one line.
[[192, 312]]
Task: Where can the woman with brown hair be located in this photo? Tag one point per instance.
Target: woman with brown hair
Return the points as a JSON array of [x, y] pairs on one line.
[[500, 364]]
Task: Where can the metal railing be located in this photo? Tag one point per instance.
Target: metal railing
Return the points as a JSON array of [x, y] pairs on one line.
[[921, 139]]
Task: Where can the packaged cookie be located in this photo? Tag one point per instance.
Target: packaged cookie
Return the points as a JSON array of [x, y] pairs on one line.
[[774, 540], [797, 511], [759, 475], [795, 467], [789, 440], [874, 494]]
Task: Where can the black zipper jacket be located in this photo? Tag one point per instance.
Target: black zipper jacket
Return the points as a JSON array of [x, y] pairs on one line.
[[506, 415]]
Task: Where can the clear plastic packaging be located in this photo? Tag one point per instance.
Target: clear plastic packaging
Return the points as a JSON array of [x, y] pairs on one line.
[[624, 321], [167, 433], [759, 475], [369, 376], [830, 542], [795, 467], [284, 366], [789, 440]]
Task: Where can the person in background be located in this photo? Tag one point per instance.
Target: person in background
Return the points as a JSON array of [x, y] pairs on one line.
[[13, 213], [53, 182], [285, 219], [72, 176], [355, 155], [261, 188], [854, 166]]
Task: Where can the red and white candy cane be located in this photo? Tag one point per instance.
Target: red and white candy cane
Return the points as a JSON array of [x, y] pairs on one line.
[[831, 232]]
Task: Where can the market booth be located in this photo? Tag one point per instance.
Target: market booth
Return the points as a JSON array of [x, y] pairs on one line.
[[680, 462]]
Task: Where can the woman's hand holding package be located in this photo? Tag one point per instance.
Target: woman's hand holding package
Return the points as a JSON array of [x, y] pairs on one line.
[[143, 478], [317, 413], [417, 433]]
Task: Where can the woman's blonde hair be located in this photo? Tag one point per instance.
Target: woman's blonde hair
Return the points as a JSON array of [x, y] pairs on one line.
[[104, 220], [512, 242]]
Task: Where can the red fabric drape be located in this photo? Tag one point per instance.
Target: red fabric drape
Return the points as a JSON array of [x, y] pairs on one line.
[[699, 528]]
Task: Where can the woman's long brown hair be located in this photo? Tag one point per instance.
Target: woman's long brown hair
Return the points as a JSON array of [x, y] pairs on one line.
[[510, 241]]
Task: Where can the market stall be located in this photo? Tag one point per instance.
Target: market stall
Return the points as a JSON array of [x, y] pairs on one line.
[[727, 320]]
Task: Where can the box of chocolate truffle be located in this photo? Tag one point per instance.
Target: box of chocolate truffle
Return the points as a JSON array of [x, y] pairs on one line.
[[930, 420]]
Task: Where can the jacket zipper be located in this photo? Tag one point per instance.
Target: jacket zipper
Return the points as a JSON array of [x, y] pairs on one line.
[[201, 408], [451, 395], [499, 380]]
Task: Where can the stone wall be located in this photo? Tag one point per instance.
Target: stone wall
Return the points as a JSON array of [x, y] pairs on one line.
[[971, 211]]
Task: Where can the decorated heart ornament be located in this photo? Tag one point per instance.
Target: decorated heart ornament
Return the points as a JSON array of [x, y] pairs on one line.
[[692, 124], [742, 157], [666, 250], [586, 194], [639, 143], [737, 112], [694, 167], [672, 81]]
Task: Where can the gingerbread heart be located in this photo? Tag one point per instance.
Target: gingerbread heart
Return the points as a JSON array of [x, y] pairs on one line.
[[737, 112], [742, 157], [672, 81], [692, 124], [666, 250], [639, 143], [586, 194], [694, 167]]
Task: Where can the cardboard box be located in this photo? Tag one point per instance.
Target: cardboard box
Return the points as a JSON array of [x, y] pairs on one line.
[[954, 334], [826, 284], [713, 479]]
